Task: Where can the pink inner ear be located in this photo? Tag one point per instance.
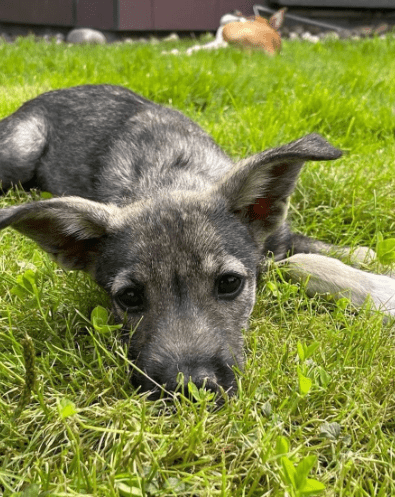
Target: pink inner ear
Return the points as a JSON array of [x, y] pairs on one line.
[[260, 209]]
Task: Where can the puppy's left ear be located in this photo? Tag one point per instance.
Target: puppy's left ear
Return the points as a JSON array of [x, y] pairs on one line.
[[257, 189], [68, 228]]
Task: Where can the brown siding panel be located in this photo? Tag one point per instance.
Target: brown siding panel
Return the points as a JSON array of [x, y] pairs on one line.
[[127, 15], [136, 15], [51, 12], [96, 14], [185, 14], [245, 6]]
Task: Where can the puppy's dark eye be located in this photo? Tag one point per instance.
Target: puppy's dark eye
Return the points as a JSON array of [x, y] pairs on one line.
[[131, 299], [229, 286]]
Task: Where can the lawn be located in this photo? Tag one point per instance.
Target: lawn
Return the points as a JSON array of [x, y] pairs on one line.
[[315, 410]]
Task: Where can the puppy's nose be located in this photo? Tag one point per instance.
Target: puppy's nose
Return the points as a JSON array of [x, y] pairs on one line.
[[207, 381], [213, 373], [179, 377]]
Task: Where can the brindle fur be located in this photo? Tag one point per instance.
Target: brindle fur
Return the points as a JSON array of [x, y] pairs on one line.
[[148, 203]]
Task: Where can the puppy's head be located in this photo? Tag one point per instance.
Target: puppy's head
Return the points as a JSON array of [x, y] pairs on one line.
[[180, 268]]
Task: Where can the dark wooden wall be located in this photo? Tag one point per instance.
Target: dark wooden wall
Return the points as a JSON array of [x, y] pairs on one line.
[[123, 15]]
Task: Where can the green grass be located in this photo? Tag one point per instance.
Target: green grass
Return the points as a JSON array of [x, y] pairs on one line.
[[329, 408]]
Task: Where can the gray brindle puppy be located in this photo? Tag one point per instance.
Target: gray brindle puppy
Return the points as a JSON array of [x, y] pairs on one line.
[[167, 224]]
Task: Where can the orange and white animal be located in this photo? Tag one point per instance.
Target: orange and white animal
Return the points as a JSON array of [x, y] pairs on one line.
[[256, 32], [249, 32]]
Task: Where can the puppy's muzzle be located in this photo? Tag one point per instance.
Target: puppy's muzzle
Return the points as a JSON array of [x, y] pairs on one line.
[[214, 374]]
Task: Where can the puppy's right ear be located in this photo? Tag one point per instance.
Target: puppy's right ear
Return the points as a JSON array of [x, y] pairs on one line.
[[68, 228]]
